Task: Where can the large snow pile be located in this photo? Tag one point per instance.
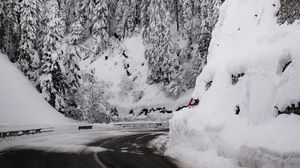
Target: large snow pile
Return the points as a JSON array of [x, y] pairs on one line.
[[247, 78], [20, 103]]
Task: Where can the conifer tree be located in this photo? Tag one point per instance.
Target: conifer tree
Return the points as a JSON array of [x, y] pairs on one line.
[[10, 29], [144, 13], [124, 13], [1, 25], [73, 56], [85, 13], [29, 59], [159, 44], [52, 81], [42, 13], [100, 28], [187, 18]]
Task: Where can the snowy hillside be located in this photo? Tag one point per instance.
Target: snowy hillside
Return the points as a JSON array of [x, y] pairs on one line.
[[95, 59], [123, 70], [20, 102], [251, 78]]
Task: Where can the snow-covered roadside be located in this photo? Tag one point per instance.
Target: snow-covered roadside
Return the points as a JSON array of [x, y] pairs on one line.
[[252, 70], [65, 138], [20, 102], [159, 144]]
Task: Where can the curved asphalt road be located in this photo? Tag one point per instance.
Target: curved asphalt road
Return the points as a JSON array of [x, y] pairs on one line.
[[124, 152]]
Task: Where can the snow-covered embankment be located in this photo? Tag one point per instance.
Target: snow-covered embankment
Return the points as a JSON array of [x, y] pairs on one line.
[[253, 70], [20, 103]]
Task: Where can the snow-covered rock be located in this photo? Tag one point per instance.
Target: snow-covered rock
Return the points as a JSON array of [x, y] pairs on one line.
[[236, 122], [20, 103]]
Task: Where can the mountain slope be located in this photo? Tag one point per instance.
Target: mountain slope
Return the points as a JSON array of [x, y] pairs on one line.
[[20, 103], [123, 70]]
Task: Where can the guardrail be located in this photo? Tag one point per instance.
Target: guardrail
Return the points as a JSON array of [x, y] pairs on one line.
[[25, 132], [143, 125], [84, 127]]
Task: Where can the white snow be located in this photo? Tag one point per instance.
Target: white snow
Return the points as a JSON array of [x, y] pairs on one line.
[[109, 69], [255, 45], [20, 103], [159, 144]]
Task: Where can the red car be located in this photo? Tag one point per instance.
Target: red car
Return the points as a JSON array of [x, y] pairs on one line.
[[193, 103]]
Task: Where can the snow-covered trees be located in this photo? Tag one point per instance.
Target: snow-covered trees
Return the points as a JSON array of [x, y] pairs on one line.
[[187, 18], [29, 60], [49, 39], [289, 11], [1, 24], [100, 28], [9, 28], [125, 17], [52, 80], [177, 67], [72, 57], [85, 16], [144, 16], [160, 51], [119, 18], [92, 107]]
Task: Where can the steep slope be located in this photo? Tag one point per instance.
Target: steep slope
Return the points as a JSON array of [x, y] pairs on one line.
[[251, 79], [20, 103], [123, 70]]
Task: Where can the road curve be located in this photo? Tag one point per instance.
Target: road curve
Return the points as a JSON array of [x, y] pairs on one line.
[[129, 151]]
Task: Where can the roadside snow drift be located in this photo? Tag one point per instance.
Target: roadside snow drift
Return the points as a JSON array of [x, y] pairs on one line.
[[253, 71], [20, 103]]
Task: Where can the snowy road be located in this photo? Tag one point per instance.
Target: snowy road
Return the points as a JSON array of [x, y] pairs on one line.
[[122, 152]]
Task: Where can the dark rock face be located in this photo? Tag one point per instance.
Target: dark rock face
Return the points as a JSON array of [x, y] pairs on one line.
[[237, 110], [208, 85], [292, 109], [236, 77]]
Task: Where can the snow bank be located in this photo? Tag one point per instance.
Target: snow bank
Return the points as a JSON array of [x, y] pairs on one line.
[[159, 144], [236, 122], [20, 103]]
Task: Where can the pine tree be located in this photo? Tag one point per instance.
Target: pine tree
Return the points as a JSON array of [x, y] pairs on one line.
[[129, 21], [187, 18], [1, 25], [145, 19], [160, 49], [10, 29], [100, 28], [123, 14], [52, 81], [90, 12], [29, 60], [69, 12], [86, 12], [43, 11], [71, 69], [73, 56]]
